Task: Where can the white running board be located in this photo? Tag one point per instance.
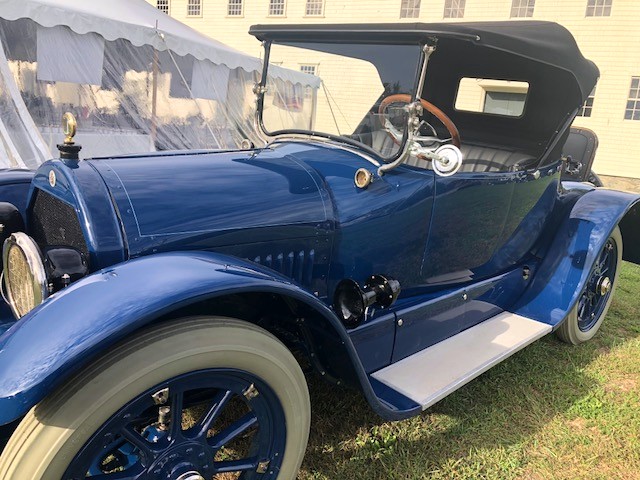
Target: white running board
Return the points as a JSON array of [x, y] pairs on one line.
[[433, 373]]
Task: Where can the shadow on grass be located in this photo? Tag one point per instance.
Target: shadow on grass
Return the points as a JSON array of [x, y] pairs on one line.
[[498, 411]]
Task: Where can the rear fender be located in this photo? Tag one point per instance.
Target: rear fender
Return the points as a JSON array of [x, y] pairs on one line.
[[568, 261], [82, 321]]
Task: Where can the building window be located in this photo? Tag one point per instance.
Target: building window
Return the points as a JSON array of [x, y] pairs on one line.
[[310, 69], [314, 8], [163, 6], [454, 8], [510, 104], [276, 8], [632, 111], [410, 9], [587, 106], [234, 8], [522, 8], [194, 8], [598, 8]]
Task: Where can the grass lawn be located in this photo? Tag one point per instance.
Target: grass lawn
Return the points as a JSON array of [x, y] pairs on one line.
[[552, 411]]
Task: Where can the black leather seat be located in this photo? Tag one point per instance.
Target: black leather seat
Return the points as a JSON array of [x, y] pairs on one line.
[[486, 159], [475, 158]]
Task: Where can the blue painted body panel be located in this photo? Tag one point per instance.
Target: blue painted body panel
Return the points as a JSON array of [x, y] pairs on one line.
[[207, 201], [458, 264], [101, 309], [374, 340], [381, 229], [6, 318], [484, 223], [173, 230], [81, 187], [578, 241], [14, 186], [431, 318]]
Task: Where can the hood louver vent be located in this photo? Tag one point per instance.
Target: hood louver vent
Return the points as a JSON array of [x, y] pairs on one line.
[[295, 265]]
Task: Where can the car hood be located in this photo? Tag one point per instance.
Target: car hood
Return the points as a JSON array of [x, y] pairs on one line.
[[207, 199]]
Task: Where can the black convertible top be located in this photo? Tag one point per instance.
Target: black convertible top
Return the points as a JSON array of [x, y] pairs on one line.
[[541, 42], [542, 54]]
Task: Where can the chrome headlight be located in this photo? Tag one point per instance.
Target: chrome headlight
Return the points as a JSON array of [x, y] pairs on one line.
[[24, 275]]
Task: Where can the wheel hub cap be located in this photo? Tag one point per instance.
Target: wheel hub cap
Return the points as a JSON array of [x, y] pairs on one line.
[[184, 461], [604, 286], [190, 476]]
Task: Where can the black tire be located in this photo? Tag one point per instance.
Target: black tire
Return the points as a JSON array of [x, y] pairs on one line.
[[50, 436], [570, 331]]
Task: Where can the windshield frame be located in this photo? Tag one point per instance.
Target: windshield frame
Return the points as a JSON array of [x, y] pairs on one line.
[[261, 88]]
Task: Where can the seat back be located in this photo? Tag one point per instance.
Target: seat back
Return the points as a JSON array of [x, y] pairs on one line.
[[487, 159]]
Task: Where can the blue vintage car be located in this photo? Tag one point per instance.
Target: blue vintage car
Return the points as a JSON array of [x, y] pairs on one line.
[[402, 230]]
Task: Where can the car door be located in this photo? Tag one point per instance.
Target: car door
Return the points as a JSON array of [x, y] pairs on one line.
[[381, 229], [482, 224], [469, 214], [470, 210]]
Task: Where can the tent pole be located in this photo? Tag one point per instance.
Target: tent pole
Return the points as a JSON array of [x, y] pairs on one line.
[[154, 98], [314, 107]]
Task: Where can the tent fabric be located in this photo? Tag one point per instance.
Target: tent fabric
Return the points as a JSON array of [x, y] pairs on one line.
[[210, 81], [132, 87], [63, 56], [137, 21], [141, 24], [21, 145]]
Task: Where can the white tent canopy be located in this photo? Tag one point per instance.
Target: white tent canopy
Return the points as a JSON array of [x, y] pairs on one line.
[[137, 79], [141, 24]]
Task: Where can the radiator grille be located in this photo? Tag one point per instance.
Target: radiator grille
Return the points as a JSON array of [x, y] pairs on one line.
[[53, 222]]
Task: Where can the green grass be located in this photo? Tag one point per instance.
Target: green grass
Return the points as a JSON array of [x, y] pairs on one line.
[[552, 411]]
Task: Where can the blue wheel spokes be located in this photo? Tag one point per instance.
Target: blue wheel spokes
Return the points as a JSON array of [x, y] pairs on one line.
[[236, 465], [177, 401], [138, 443], [602, 264], [211, 415], [592, 302], [582, 306], [233, 431], [124, 475]]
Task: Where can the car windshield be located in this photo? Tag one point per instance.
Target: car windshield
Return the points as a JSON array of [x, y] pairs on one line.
[[350, 103]]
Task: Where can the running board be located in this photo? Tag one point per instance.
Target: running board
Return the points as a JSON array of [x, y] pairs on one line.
[[433, 373]]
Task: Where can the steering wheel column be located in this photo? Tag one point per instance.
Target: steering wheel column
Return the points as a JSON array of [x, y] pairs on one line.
[[446, 159]]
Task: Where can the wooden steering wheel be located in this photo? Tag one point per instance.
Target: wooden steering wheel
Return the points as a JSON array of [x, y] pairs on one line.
[[429, 107]]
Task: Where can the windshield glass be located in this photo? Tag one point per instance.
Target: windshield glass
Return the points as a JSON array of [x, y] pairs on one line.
[[349, 102]]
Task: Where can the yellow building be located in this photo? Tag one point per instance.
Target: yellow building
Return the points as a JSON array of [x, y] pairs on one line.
[[606, 31]]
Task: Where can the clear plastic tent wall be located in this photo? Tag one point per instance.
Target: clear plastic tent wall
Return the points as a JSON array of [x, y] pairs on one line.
[[127, 98]]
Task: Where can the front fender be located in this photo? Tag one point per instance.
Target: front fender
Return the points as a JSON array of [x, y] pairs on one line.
[[83, 320], [565, 269]]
